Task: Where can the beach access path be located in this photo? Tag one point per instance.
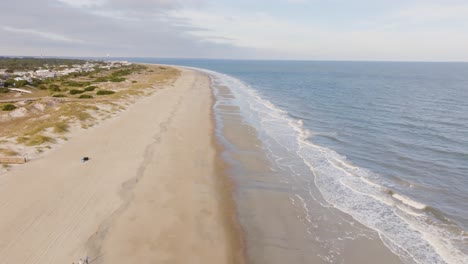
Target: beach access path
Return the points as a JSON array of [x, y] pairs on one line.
[[152, 191]]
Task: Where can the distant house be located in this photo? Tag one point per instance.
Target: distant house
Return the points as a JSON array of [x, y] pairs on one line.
[[28, 79], [43, 74]]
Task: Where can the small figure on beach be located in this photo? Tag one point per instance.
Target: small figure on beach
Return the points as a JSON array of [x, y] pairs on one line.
[[86, 260], [84, 159], [80, 262]]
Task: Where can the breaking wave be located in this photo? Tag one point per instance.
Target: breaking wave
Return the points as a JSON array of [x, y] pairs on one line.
[[407, 227]]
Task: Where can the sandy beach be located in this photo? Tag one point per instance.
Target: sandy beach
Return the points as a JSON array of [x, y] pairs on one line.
[[153, 190], [280, 226]]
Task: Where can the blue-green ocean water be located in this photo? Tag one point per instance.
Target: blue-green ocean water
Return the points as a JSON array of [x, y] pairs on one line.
[[386, 142]]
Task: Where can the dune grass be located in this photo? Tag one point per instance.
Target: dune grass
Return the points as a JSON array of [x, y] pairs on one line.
[[35, 140], [8, 152], [41, 128]]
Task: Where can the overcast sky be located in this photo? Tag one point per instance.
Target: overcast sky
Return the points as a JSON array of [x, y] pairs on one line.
[[415, 30]]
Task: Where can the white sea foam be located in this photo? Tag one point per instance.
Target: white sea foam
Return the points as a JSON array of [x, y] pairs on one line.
[[349, 188], [408, 201]]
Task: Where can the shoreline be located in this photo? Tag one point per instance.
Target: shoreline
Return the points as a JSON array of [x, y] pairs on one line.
[[225, 182], [281, 224], [134, 199]]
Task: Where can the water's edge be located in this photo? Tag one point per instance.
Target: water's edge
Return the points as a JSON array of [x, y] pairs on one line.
[[401, 223]]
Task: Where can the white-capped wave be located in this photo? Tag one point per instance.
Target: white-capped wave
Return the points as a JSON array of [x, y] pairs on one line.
[[409, 202]]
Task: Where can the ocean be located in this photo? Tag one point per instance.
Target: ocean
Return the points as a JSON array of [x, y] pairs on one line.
[[383, 143]]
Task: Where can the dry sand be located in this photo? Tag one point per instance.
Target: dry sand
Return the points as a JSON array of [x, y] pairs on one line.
[[151, 193]]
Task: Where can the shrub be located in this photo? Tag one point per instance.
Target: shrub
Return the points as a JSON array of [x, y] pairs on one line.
[[117, 79], [85, 96], [101, 79], [104, 92], [9, 82], [36, 82], [42, 87], [54, 87], [8, 107], [73, 91], [21, 83], [4, 90], [134, 81], [90, 88], [77, 84], [59, 95], [121, 72]]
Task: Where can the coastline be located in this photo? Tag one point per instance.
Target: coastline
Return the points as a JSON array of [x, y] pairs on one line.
[[145, 198], [281, 225]]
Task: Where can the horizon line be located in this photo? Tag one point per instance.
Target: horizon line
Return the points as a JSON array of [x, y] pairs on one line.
[[224, 59]]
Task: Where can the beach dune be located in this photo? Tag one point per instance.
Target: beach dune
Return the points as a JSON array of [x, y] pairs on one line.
[[152, 191]]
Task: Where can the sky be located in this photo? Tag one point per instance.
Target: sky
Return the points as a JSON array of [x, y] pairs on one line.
[[393, 30]]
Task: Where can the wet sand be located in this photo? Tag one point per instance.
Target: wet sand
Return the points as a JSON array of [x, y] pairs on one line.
[[282, 223], [152, 192]]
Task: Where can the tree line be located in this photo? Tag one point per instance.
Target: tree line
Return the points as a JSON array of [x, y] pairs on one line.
[[28, 64]]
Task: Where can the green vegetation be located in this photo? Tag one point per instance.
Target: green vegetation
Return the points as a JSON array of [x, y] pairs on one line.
[[4, 90], [21, 83], [34, 140], [81, 74], [117, 79], [54, 88], [76, 84], [122, 72], [9, 83], [36, 82], [12, 83], [53, 119], [90, 88], [74, 91], [28, 64], [101, 79], [104, 92], [118, 75], [8, 107]]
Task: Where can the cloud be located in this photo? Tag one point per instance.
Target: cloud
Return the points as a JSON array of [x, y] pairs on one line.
[[133, 6], [83, 3], [433, 12], [118, 27], [391, 36], [315, 29], [42, 34]]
